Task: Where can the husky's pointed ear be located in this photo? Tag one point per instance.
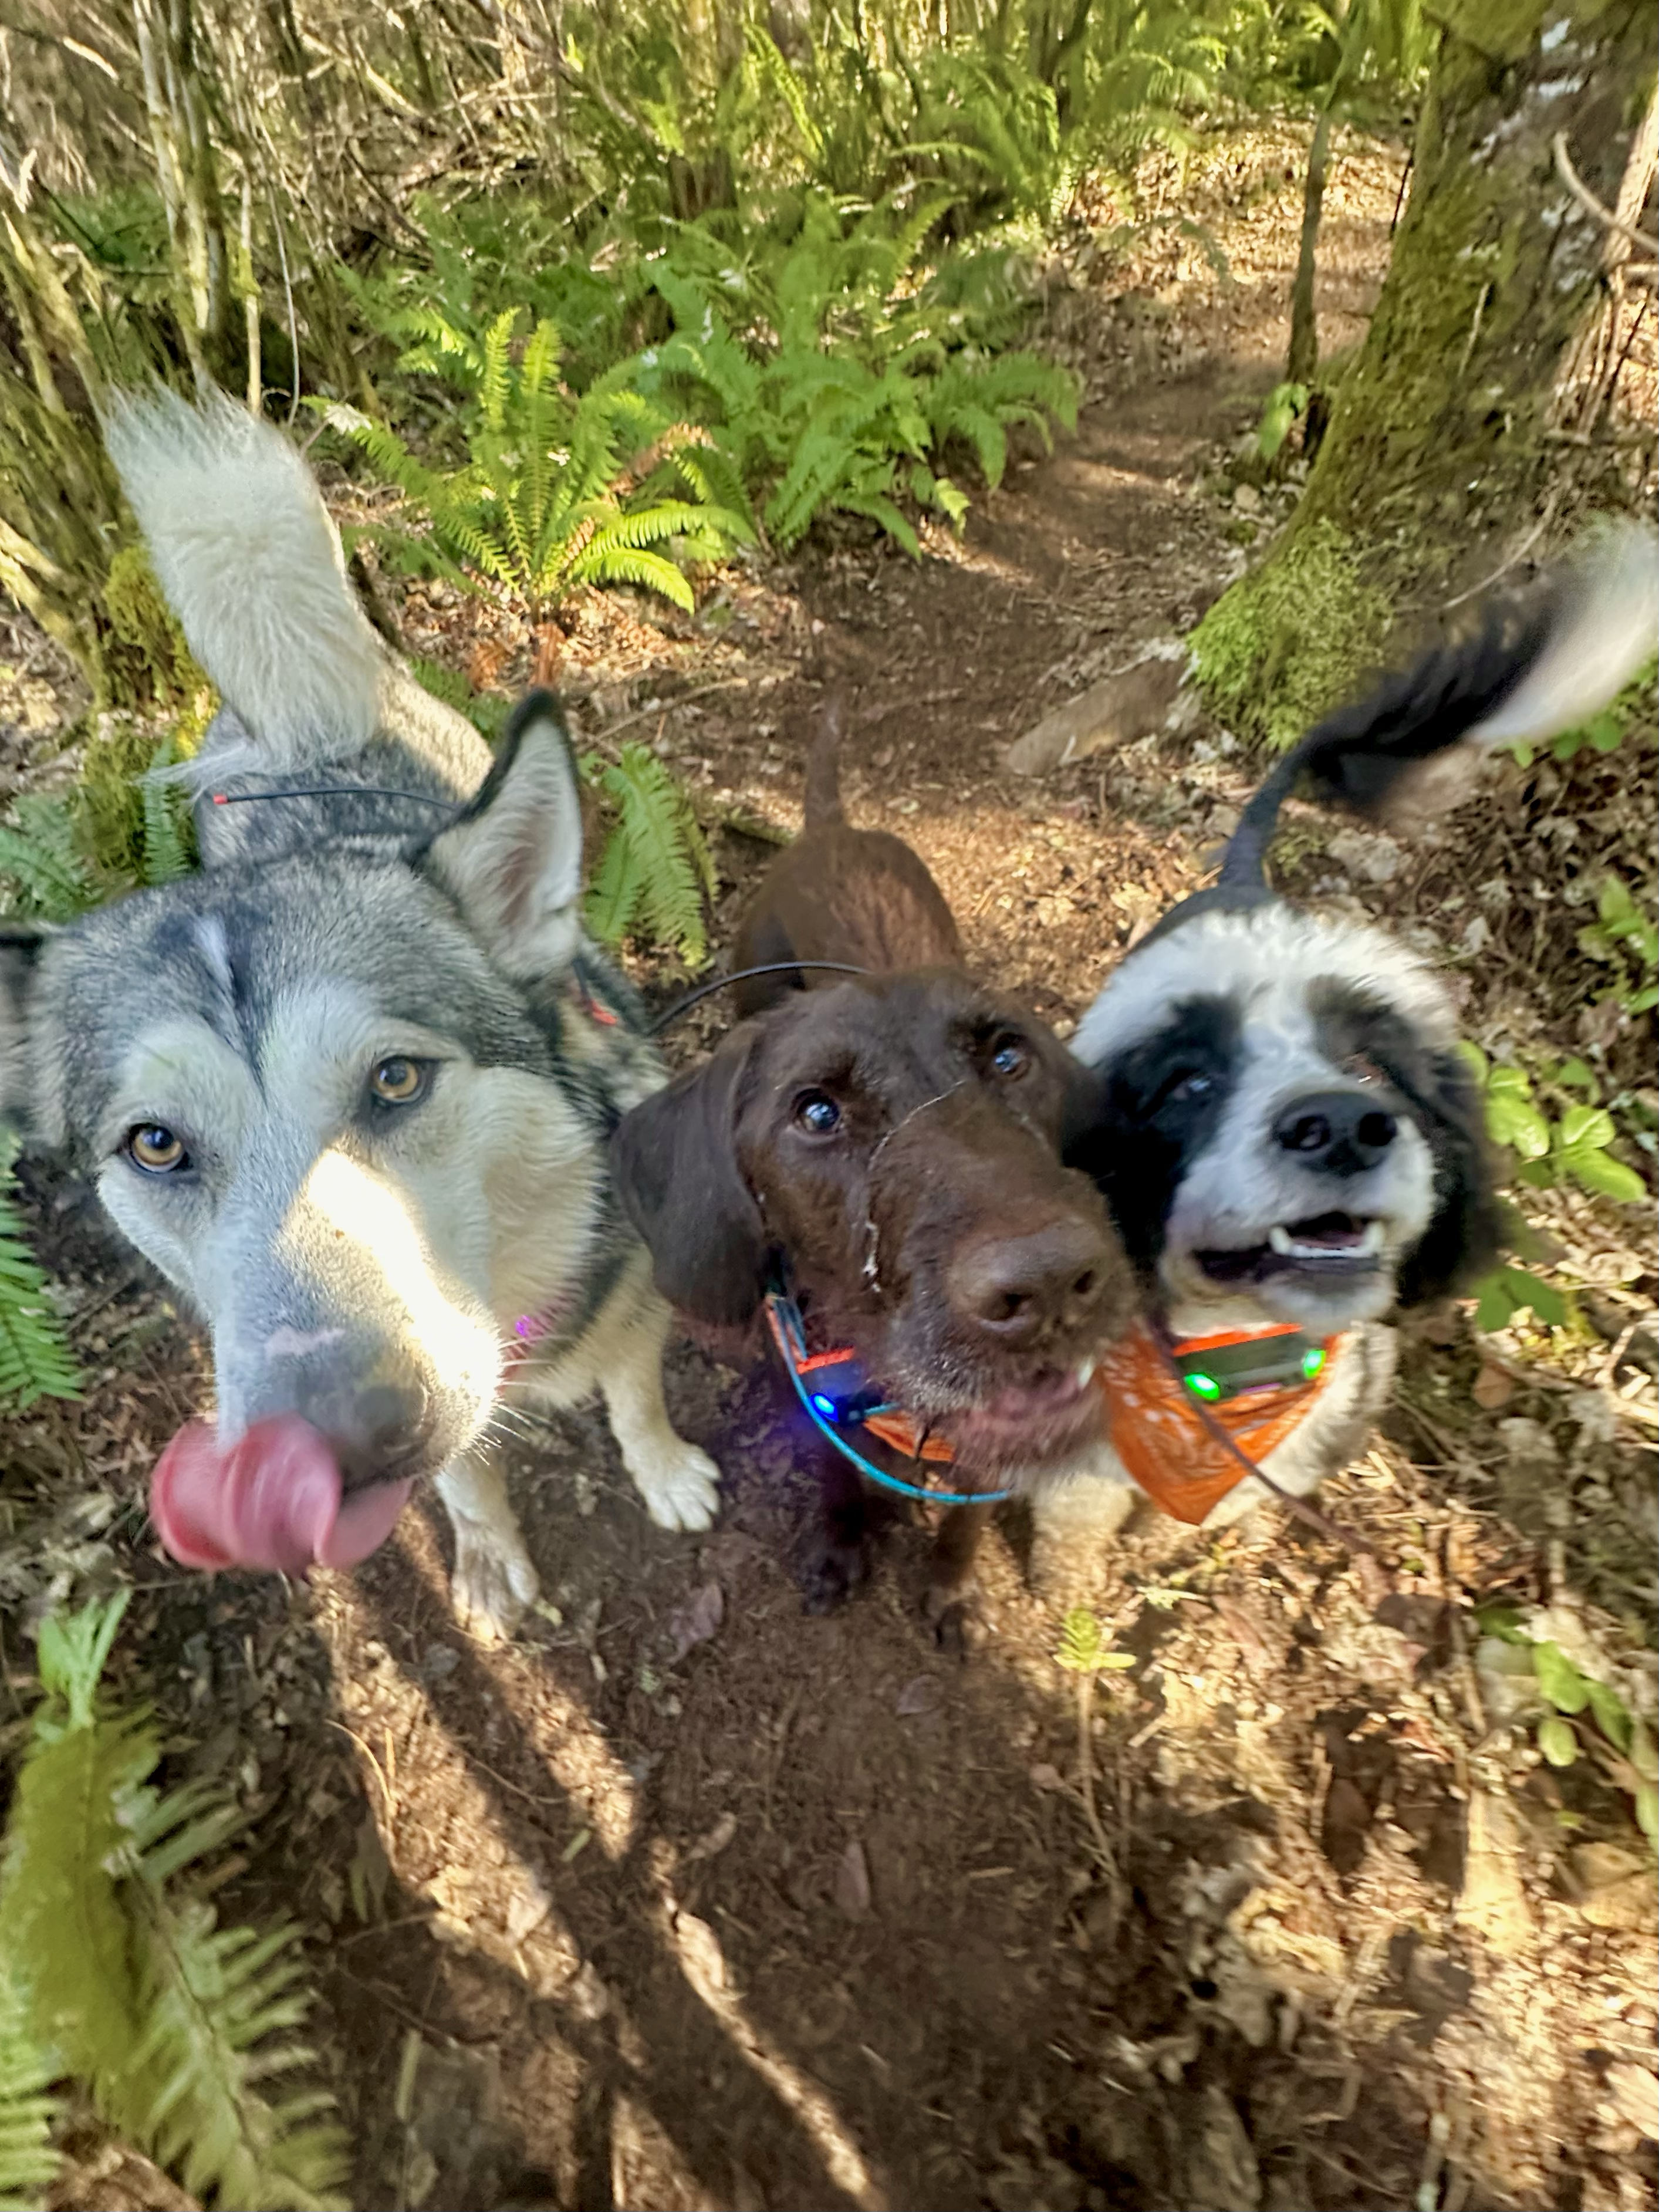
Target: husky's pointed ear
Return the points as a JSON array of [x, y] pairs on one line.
[[674, 1159], [19, 950], [513, 860]]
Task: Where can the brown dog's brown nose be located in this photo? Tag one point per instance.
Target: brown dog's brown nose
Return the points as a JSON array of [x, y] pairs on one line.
[[1017, 1289]]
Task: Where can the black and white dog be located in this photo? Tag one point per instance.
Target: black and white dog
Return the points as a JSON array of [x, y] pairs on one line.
[[1290, 1143]]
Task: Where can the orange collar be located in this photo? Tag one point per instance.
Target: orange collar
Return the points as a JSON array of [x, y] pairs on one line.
[[1168, 1442]]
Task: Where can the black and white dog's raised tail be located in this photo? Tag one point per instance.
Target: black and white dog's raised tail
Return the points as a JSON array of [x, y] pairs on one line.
[[1286, 1131]]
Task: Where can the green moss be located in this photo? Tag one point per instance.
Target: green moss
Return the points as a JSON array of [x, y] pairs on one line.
[[1292, 639], [150, 659]]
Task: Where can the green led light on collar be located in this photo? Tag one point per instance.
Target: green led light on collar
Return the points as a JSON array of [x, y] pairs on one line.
[[1203, 1386], [1312, 1360]]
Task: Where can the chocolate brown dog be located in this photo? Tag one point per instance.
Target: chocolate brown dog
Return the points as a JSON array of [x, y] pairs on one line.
[[889, 1147]]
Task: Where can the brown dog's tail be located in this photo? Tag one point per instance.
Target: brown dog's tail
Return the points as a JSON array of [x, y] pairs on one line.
[[822, 807]]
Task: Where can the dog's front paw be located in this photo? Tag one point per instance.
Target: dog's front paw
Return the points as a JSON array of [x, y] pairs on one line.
[[954, 1613], [494, 1584], [682, 1488]]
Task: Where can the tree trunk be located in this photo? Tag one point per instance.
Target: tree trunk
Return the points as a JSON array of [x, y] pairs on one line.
[[1440, 431], [1303, 356]]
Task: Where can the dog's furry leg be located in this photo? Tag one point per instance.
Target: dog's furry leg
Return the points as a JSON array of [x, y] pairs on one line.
[[494, 1584], [679, 1483], [1072, 1517], [948, 1604]]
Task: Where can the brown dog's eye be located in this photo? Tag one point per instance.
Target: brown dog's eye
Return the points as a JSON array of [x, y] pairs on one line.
[[1364, 1069], [816, 1113], [156, 1150], [400, 1082], [1011, 1056]]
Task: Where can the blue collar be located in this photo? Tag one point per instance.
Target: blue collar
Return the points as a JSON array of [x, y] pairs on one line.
[[848, 1404]]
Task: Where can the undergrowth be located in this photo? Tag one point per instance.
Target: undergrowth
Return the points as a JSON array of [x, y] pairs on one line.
[[115, 1975]]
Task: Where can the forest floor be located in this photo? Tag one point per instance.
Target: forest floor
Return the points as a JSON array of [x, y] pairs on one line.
[[688, 1900]]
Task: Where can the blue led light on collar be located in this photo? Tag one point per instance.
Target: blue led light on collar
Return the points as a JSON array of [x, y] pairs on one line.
[[826, 1410]]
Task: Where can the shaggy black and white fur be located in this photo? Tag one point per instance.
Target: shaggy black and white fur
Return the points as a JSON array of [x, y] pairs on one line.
[[1285, 1131]]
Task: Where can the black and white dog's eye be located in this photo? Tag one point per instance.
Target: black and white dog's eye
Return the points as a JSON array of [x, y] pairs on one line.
[[1364, 1069], [1196, 1085], [399, 1081], [155, 1150], [816, 1113], [1011, 1056]]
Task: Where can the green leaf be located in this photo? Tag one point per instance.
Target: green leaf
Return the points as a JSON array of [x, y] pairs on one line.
[[1585, 1127], [35, 1360], [1613, 1716], [1559, 1679], [1646, 1804], [1512, 1118], [1575, 1074], [1510, 1290], [1557, 1741], [28, 2164], [1642, 1753], [1608, 1178]]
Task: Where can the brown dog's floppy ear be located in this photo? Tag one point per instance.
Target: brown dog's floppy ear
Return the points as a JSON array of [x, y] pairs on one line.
[[675, 1160]]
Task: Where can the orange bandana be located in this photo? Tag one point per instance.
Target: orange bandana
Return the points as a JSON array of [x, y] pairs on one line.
[[1164, 1440]]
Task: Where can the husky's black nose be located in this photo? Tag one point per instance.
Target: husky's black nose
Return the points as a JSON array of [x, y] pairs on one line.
[[381, 1430], [1337, 1132]]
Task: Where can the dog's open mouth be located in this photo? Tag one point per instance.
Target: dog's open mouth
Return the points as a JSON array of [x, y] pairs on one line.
[[273, 1500], [1328, 1246], [1050, 1416]]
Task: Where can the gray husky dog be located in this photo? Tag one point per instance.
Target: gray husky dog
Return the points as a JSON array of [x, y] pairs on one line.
[[351, 1088]]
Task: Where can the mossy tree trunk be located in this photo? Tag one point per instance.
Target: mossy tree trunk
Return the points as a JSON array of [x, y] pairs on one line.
[[1439, 431]]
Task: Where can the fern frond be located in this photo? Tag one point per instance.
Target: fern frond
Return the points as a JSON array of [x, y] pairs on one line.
[[173, 2022], [28, 2164], [39, 853], [168, 853], [666, 854], [35, 1360], [618, 889], [648, 572]]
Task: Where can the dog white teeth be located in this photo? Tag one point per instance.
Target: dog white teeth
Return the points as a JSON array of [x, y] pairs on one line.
[[1279, 1237], [1372, 1242]]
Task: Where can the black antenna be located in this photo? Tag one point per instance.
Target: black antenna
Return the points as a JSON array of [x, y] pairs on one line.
[[741, 976]]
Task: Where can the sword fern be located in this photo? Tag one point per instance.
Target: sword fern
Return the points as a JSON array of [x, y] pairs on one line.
[[125, 1983], [655, 869], [557, 491], [35, 1360]]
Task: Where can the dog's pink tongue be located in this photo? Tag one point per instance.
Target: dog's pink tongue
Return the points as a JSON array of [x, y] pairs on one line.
[[273, 1500]]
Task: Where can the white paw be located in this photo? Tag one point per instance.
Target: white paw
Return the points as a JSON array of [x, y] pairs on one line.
[[682, 1488], [494, 1585]]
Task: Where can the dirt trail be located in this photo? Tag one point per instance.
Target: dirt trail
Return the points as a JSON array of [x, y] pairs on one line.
[[688, 1899]]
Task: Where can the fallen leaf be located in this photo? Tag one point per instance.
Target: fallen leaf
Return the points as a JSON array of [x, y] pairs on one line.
[[1492, 1388], [1260, 1658], [853, 1881], [697, 1619], [712, 1841], [1043, 1776], [529, 1907], [919, 1695], [700, 1953], [1634, 2094]]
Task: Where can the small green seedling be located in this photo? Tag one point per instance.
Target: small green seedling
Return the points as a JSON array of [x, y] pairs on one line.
[[1627, 940], [1584, 1714], [1285, 404]]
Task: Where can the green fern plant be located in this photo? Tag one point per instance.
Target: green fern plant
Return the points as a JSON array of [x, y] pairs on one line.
[[177, 2028], [832, 377], [558, 491], [35, 1360], [28, 2164], [41, 858], [655, 871]]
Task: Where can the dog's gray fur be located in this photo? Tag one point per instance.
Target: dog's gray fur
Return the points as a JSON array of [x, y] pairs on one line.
[[333, 1243]]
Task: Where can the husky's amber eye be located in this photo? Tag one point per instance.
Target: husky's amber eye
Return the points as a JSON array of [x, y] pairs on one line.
[[156, 1150], [400, 1082]]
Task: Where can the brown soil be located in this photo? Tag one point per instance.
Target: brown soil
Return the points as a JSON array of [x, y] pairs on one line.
[[688, 1899]]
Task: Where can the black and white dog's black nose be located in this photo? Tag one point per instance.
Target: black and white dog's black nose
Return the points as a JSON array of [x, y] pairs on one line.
[[1337, 1132]]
